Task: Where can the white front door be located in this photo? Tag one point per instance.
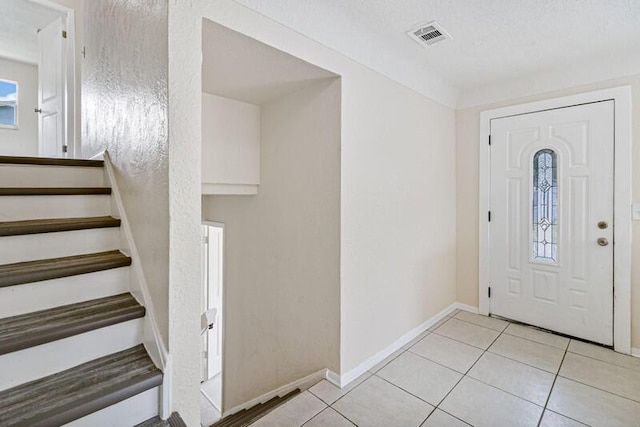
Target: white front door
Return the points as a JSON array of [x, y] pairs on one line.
[[51, 90], [551, 220]]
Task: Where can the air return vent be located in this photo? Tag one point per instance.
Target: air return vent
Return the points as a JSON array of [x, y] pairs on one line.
[[428, 34]]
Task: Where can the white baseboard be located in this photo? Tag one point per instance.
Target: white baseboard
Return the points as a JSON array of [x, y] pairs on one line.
[[302, 384], [635, 352], [343, 380], [465, 307]]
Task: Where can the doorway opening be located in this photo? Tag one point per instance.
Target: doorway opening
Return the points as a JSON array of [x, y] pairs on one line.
[[212, 319], [38, 90], [271, 144]]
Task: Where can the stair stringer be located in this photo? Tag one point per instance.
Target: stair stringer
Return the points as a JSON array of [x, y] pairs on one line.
[[140, 289]]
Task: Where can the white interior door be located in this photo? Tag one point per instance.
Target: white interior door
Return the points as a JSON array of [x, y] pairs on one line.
[[51, 90], [214, 271], [551, 220], [204, 365]]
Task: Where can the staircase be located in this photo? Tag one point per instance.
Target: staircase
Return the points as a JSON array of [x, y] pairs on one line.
[[71, 332]]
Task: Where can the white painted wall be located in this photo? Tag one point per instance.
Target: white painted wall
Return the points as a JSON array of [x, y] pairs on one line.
[[468, 129], [282, 260], [230, 141], [24, 140], [397, 248], [398, 214]]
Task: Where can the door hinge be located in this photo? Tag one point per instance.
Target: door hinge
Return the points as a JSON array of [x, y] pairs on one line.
[[64, 34], [84, 52], [205, 240], [489, 216], [65, 148], [489, 139], [489, 291]]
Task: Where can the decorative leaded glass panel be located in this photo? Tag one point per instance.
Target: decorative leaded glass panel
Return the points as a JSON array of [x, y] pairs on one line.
[[545, 205]]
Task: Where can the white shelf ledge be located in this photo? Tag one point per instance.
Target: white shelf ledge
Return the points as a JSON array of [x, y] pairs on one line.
[[230, 189]]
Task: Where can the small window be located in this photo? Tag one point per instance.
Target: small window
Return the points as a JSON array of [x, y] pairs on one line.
[[8, 104], [545, 205]]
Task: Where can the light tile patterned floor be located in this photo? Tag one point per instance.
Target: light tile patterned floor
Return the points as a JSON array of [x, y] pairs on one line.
[[210, 392], [475, 370]]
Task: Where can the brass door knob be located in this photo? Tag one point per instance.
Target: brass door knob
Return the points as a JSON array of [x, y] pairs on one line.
[[603, 225], [603, 242]]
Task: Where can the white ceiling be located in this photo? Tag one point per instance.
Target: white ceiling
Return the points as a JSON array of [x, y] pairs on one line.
[[19, 21], [494, 41], [238, 67]]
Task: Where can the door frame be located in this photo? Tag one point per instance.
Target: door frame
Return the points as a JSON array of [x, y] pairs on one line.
[[224, 309], [621, 193], [72, 96]]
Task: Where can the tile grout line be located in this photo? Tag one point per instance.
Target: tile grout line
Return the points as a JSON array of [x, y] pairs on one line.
[[487, 350], [315, 395], [355, 387], [464, 375], [505, 333], [555, 378], [437, 363], [437, 408], [467, 375], [604, 361], [462, 342], [409, 393], [598, 388], [482, 326], [324, 409], [506, 357], [523, 363], [565, 416]]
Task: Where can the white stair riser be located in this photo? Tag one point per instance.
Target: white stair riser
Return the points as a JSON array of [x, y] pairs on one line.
[[16, 208], [50, 176], [32, 363], [130, 412], [53, 245], [30, 297]]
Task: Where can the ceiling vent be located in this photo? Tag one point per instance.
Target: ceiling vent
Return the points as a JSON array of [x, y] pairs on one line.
[[428, 34]]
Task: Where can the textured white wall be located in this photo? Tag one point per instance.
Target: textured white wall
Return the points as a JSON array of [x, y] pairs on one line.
[[124, 99], [24, 140], [185, 260], [282, 250], [230, 141], [397, 193]]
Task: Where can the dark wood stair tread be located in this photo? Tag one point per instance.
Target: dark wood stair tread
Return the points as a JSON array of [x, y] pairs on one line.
[[53, 191], [35, 226], [36, 271], [31, 329], [251, 415], [16, 160], [71, 394], [175, 420]]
